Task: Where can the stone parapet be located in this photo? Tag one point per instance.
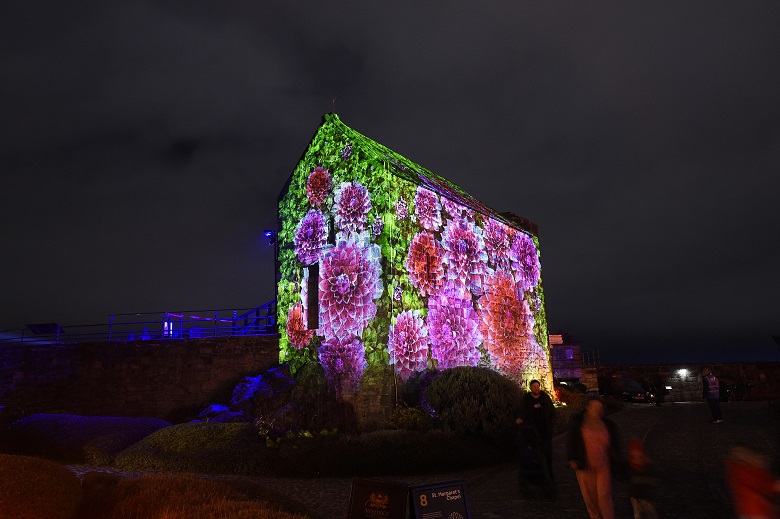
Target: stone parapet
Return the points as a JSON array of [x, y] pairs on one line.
[[170, 379]]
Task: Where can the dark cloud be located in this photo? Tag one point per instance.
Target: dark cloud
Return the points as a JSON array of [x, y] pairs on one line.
[[143, 146]]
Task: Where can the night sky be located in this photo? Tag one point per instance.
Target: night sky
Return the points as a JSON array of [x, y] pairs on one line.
[[143, 146]]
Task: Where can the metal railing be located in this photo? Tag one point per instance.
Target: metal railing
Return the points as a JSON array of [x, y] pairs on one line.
[[184, 324]]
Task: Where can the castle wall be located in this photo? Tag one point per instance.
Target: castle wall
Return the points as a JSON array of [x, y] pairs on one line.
[[172, 379]]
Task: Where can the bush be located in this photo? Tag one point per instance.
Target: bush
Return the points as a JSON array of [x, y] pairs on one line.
[[176, 497], [78, 439], [476, 401], [207, 448], [383, 453], [408, 418], [236, 449], [35, 488], [575, 404]]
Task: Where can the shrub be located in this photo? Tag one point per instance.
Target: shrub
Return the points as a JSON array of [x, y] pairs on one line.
[[409, 418], [35, 488], [575, 404], [476, 401], [207, 448], [176, 497], [383, 453], [78, 439]]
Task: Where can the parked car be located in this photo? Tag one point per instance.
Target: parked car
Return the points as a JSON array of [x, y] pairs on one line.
[[626, 389], [735, 392]]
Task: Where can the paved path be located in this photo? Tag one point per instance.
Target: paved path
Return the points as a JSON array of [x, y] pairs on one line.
[[687, 448]]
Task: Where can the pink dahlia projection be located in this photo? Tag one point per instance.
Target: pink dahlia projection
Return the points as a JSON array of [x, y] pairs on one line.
[[524, 261], [427, 209], [425, 264], [408, 344], [497, 238], [465, 258], [310, 237], [344, 362], [352, 204], [349, 284], [455, 210], [317, 186], [296, 328], [506, 323], [453, 331]]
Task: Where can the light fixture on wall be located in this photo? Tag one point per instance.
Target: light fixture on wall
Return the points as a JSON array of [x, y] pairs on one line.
[[682, 372], [270, 236]]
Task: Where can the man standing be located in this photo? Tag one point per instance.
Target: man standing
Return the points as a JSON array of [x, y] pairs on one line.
[[538, 413], [711, 393]]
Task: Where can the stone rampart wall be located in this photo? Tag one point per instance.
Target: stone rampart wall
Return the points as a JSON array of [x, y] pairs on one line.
[[172, 379], [686, 379]]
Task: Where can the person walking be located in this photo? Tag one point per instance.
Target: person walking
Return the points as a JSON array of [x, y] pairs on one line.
[[642, 481], [594, 453], [711, 393], [753, 487], [538, 412]]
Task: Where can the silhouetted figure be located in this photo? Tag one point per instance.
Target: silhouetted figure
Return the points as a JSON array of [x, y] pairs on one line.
[[711, 393], [538, 412]]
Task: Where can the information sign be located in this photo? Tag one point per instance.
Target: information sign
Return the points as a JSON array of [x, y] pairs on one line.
[[372, 499], [445, 500]]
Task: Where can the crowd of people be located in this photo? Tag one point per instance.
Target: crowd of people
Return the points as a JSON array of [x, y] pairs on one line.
[[594, 454]]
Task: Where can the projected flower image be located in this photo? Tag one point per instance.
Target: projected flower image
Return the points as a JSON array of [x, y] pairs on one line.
[[427, 209], [455, 210], [349, 283], [408, 344], [352, 206], [318, 186], [505, 321], [296, 328], [524, 261], [453, 330], [310, 237], [402, 209], [344, 362], [425, 264], [464, 257], [412, 272], [497, 239]]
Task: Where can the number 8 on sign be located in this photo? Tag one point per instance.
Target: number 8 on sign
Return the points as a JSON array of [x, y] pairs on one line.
[[423, 500]]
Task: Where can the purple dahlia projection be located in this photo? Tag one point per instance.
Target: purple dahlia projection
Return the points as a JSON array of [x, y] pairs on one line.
[[453, 331], [498, 238], [310, 237], [349, 283], [427, 209], [296, 328], [465, 258], [401, 209], [424, 263], [408, 344], [455, 210], [524, 261], [506, 323], [317, 186], [352, 204], [344, 362]]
